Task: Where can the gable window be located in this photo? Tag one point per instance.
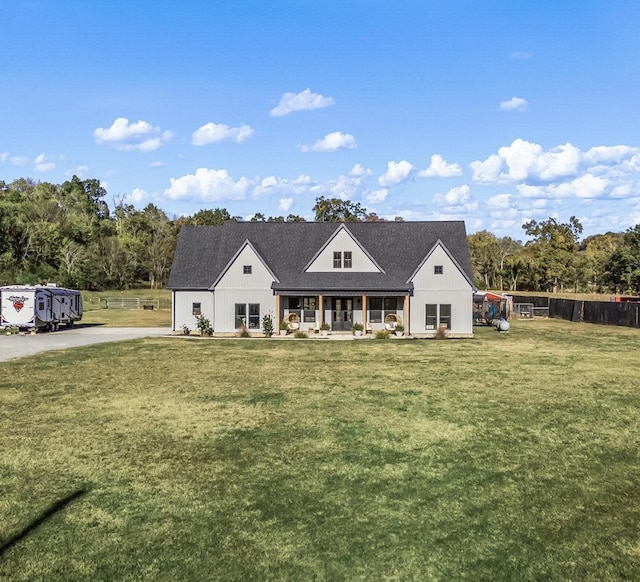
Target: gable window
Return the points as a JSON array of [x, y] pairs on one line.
[[438, 315], [347, 260], [337, 260], [246, 270], [196, 309], [438, 270]]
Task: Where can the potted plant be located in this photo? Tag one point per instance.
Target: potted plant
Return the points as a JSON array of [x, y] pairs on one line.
[[267, 325], [283, 327], [324, 329], [399, 330], [357, 328]]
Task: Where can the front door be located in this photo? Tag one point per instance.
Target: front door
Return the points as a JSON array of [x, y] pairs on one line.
[[341, 313]]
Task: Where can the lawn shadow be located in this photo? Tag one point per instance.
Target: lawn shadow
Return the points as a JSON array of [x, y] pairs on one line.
[[56, 507]]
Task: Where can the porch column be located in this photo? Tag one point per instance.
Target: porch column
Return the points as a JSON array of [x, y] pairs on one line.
[[277, 323], [364, 315], [321, 305], [407, 331]]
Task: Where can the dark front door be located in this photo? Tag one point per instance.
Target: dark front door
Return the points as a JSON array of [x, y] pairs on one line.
[[341, 313]]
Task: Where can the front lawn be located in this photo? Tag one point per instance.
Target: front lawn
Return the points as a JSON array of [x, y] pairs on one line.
[[507, 457]]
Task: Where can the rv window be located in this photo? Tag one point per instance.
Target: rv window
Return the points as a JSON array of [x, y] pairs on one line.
[[41, 306]]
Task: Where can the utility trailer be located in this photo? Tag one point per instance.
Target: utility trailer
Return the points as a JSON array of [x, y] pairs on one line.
[[39, 306]]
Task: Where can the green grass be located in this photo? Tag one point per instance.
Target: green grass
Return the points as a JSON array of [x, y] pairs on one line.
[[507, 457]]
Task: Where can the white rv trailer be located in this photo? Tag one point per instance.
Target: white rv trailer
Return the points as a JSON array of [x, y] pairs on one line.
[[39, 306]]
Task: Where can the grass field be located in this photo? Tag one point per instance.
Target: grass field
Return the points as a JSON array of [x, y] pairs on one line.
[[506, 457]]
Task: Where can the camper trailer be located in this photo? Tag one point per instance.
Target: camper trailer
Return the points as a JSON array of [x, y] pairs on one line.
[[39, 307]]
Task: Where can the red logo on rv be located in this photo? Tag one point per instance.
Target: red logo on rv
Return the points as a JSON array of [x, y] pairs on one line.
[[18, 302]]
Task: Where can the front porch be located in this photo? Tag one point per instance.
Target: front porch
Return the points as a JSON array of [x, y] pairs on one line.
[[341, 311]]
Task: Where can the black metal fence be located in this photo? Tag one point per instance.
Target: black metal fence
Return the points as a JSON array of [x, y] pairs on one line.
[[599, 312]]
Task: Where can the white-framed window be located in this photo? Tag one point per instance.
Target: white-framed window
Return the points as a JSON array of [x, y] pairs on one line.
[[437, 315], [196, 308], [246, 270], [247, 315], [348, 260], [337, 260], [438, 269]]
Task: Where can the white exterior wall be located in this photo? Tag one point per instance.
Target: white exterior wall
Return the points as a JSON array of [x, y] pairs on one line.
[[449, 288], [183, 306], [236, 287], [342, 242]]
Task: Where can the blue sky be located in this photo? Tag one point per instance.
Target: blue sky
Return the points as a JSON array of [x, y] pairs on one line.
[[491, 112]]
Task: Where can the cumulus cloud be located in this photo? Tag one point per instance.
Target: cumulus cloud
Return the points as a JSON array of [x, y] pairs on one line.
[[272, 185], [458, 197], [40, 164], [331, 143], [440, 169], [377, 195], [208, 185], [397, 172], [303, 101], [285, 204], [126, 136], [216, 132], [4, 156], [514, 104]]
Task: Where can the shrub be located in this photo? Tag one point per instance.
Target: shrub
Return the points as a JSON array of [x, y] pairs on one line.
[[243, 332], [185, 329], [267, 325], [300, 334], [284, 325], [325, 326], [382, 334], [204, 325], [441, 332], [357, 327]]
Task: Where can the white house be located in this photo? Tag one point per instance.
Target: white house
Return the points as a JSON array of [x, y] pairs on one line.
[[375, 273]]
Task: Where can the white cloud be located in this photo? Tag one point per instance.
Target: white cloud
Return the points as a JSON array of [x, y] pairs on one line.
[[157, 164], [303, 101], [216, 132], [4, 156], [377, 195], [19, 160], [514, 104], [458, 196], [137, 195], [500, 201], [208, 185], [79, 171], [44, 167], [440, 169], [285, 204], [331, 142], [125, 136], [39, 159], [397, 172]]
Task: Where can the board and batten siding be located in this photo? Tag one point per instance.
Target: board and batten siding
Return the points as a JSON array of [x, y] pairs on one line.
[[236, 286], [342, 242], [183, 308], [451, 287]]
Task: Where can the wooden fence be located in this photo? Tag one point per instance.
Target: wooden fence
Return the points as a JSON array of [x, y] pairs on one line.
[[599, 312]]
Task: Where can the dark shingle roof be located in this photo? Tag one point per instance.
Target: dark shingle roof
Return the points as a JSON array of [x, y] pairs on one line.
[[397, 247]]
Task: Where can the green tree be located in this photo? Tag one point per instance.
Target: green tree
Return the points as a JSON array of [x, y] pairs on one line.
[[337, 210], [624, 266]]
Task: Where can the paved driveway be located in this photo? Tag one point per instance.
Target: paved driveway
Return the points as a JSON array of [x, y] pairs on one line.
[[20, 345]]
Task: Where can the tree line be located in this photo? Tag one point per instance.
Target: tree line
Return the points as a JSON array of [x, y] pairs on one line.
[[68, 234]]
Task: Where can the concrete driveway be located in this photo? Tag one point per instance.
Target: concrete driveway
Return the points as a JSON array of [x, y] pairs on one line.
[[21, 345]]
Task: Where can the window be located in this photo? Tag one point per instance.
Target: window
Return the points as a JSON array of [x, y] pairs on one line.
[[246, 270], [337, 260], [309, 309], [380, 307], [438, 270], [254, 316], [253, 319], [432, 316], [445, 315], [304, 307], [196, 309], [241, 315], [347, 260], [438, 315]]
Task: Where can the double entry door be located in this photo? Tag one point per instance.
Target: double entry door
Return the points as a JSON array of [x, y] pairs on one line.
[[341, 313]]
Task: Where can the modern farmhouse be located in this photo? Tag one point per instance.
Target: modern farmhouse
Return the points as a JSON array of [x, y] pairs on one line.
[[378, 274]]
